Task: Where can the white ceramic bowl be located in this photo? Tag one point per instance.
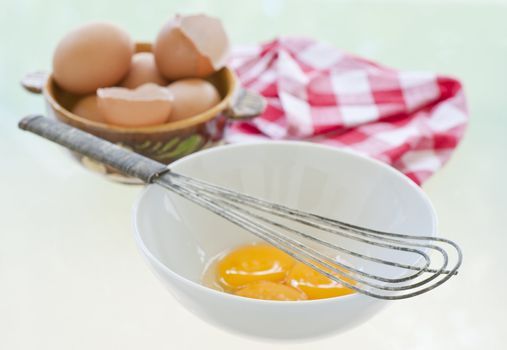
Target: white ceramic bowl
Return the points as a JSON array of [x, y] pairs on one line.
[[178, 238]]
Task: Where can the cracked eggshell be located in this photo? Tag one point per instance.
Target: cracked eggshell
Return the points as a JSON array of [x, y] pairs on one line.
[[192, 97], [94, 55], [191, 47], [147, 105], [143, 70]]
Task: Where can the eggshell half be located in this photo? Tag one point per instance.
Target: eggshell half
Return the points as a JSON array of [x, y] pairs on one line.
[[146, 105], [191, 47]]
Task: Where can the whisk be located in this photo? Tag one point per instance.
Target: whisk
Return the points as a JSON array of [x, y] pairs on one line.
[[356, 257]]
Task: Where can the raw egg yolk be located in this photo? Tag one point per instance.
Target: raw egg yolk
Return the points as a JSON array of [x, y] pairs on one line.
[[270, 291], [314, 284], [247, 264]]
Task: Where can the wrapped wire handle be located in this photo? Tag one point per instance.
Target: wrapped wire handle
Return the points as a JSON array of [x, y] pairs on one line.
[[121, 159]]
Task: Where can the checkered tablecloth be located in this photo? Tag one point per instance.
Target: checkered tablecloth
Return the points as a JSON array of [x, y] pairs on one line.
[[412, 120]]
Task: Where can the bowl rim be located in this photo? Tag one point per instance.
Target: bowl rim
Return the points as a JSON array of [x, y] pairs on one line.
[[152, 259], [225, 102]]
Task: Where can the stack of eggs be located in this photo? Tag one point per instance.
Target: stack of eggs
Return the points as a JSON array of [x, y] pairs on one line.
[[123, 88]]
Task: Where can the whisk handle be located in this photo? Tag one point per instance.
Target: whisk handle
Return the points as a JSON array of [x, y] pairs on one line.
[[127, 162]]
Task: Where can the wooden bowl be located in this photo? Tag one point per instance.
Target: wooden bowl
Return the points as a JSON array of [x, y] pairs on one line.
[[164, 143]]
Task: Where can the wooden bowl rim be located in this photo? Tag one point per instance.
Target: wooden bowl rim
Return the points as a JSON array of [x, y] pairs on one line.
[[171, 126]]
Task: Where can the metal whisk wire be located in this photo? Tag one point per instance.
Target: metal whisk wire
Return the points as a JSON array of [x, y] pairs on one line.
[[245, 211], [294, 231]]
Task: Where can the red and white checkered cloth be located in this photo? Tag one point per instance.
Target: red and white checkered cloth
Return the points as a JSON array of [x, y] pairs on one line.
[[315, 92]]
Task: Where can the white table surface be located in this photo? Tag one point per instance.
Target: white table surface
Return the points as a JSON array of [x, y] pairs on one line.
[[70, 275]]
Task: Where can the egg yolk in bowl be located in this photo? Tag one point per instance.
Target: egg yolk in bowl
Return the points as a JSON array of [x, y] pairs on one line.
[[261, 271], [270, 291], [253, 263], [316, 285]]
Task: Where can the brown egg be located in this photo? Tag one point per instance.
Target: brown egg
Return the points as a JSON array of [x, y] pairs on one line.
[[146, 105], [88, 108], [191, 47], [95, 55], [143, 70], [192, 97]]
